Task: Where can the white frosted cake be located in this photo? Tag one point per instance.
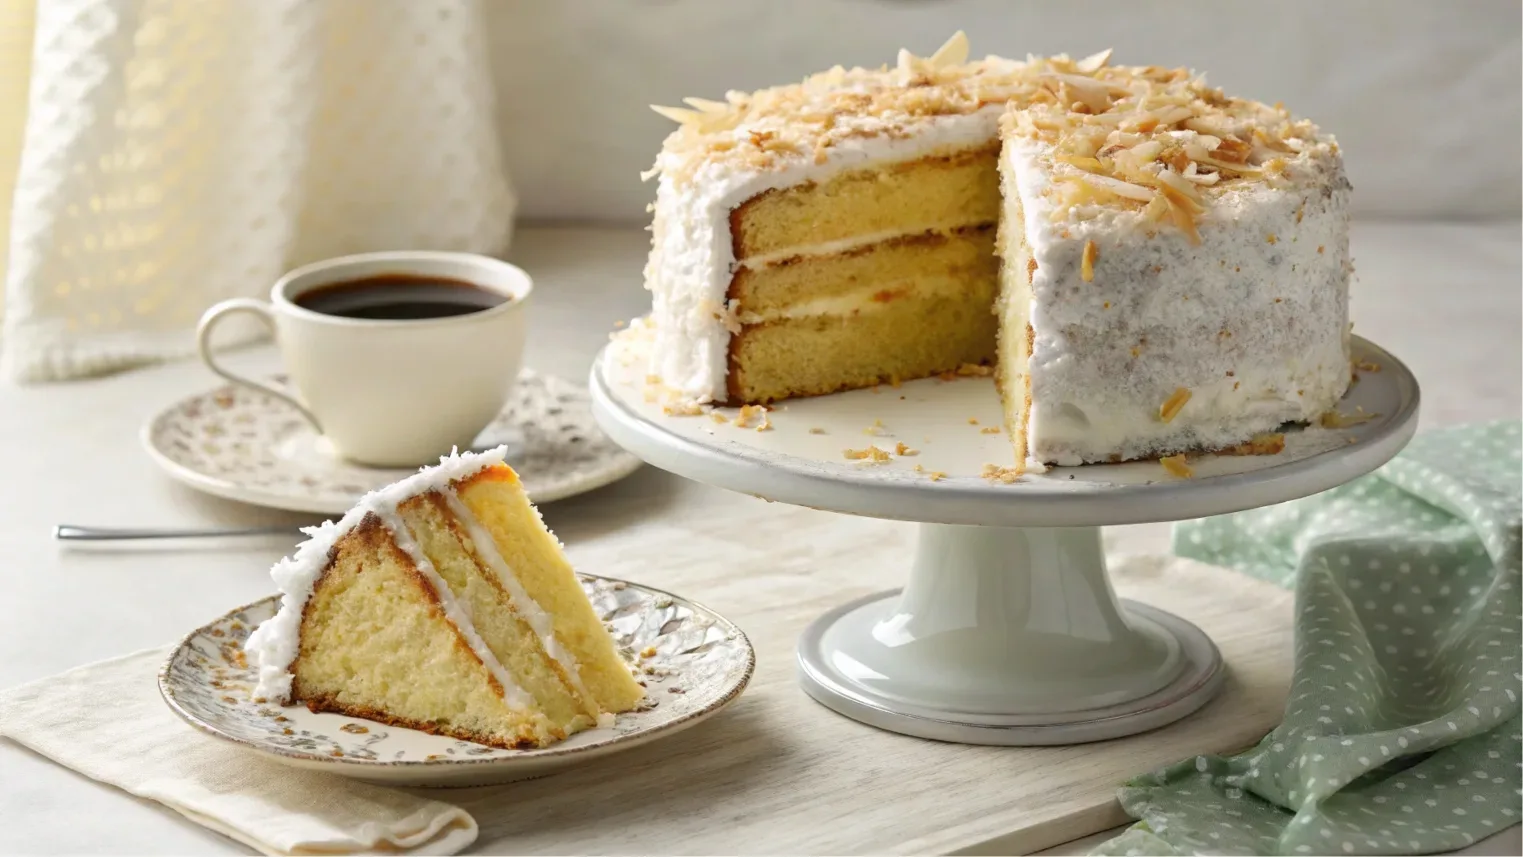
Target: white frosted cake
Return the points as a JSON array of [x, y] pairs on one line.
[[1171, 274]]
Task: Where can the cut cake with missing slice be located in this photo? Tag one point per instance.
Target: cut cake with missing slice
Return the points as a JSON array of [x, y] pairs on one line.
[[1170, 273], [442, 603]]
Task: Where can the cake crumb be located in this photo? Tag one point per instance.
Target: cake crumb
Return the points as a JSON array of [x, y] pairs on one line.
[[872, 455], [816, 430], [648, 652], [766, 423], [876, 429], [974, 370], [1176, 466], [749, 413], [972, 421], [1333, 419], [1172, 405], [718, 417], [996, 473], [989, 430], [1320, 248], [1087, 261], [1367, 366], [686, 409], [1272, 239], [901, 448], [1269, 443]]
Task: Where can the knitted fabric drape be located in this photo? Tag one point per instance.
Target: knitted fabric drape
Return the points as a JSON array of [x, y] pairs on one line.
[[170, 153]]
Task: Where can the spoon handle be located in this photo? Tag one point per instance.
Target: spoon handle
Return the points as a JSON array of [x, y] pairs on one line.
[[73, 533]]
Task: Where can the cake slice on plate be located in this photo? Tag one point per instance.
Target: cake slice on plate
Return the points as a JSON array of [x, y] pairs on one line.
[[442, 603]]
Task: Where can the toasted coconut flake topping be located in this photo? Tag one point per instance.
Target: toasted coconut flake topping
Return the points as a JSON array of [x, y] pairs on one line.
[[1176, 466], [1087, 263], [1141, 138], [1172, 405], [1119, 136]]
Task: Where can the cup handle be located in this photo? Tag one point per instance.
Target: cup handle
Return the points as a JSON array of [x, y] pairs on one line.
[[204, 348]]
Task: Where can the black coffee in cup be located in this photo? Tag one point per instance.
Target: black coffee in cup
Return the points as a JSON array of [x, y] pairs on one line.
[[399, 297]]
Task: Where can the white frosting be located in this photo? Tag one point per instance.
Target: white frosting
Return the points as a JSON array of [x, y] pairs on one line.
[[854, 302], [528, 608], [1274, 315], [693, 261], [830, 248], [274, 645]]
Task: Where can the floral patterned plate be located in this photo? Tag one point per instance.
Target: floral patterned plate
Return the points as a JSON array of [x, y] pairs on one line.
[[244, 445], [693, 663]]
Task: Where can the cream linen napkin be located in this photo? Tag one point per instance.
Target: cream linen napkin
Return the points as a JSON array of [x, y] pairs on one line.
[[107, 721]]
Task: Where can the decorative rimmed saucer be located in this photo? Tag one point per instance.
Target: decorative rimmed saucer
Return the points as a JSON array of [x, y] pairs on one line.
[[244, 445], [693, 662]]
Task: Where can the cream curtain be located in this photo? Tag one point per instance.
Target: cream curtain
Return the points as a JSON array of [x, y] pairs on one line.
[[164, 154]]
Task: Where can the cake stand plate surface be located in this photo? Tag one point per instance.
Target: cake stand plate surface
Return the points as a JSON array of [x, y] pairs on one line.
[[1008, 630]]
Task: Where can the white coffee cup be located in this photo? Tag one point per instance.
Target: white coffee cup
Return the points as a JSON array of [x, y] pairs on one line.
[[391, 393]]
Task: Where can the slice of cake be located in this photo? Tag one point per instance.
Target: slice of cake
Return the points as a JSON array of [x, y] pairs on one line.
[[1175, 271], [1172, 271], [442, 603]]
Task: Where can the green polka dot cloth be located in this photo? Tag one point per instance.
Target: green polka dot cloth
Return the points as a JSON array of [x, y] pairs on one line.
[[1401, 734]]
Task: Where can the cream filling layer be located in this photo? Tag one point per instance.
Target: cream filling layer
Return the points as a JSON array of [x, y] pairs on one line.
[[855, 302], [512, 694], [527, 607], [846, 245]]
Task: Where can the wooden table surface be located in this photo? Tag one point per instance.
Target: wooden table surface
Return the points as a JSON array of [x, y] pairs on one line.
[[1443, 297]]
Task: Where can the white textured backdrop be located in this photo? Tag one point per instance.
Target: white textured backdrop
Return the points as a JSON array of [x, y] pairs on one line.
[[1423, 94]]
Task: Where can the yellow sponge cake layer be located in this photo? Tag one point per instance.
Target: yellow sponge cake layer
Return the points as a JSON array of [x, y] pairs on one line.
[[448, 545], [375, 643], [942, 191], [910, 336], [497, 500]]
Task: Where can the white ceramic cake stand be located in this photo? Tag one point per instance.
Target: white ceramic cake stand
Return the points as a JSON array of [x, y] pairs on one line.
[[1008, 630]]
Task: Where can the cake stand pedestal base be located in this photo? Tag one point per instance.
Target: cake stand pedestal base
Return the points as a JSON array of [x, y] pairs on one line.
[[1010, 636]]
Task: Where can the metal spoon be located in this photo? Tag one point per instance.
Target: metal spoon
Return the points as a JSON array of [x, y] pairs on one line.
[[73, 533]]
